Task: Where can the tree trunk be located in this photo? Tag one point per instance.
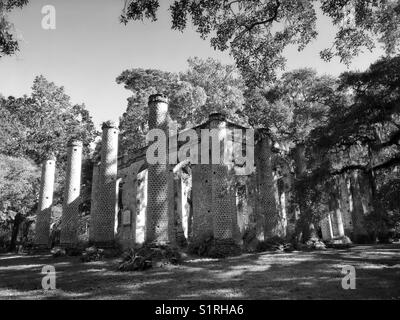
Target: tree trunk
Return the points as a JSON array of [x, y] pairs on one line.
[[15, 228]]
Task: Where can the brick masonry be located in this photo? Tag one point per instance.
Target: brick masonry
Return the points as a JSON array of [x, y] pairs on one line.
[[159, 216], [42, 232], [103, 222], [70, 215]]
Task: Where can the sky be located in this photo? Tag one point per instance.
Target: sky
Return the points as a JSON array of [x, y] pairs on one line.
[[89, 48]]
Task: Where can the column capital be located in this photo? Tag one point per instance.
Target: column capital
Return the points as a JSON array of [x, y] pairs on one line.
[[75, 143], [158, 97], [109, 125]]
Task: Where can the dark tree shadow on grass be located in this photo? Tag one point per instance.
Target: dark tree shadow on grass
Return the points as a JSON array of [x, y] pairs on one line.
[[298, 275]]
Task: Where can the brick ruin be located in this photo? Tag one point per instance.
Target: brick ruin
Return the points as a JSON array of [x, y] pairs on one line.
[[134, 202]]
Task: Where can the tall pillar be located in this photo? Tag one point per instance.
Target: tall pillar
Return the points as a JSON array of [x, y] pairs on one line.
[[327, 228], [141, 208], [127, 228], [344, 199], [201, 193], [43, 217], [94, 201], [267, 209], [159, 216], [223, 194], [360, 233], [103, 221], [70, 215], [339, 221]]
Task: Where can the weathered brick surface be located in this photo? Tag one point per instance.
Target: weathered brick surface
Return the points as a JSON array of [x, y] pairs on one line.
[[345, 200], [70, 215], [159, 219], [201, 191], [326, 227], [45, 203], [141, 208], [103, 224], [127, 229], [94, 201], [269, 220]]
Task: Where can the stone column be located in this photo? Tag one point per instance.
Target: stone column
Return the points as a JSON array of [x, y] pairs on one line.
[[70, 215], [94, 201], [43, 217], [360, 233], [103, 226], [141, 208], [339, 221], [127, 229], [159, 226], [186, 187], [326, 227], [345, 199], [223, 195], [267, 209]]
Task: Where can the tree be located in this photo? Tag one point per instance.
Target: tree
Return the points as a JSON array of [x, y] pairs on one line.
[[293, 106], [257, 32], [8, 44], [44, 122], [19, 187], [364, 135], [207, 86], [41, 124]]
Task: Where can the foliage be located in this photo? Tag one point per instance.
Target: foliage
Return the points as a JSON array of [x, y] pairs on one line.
[[207, 86], [33, 128], [362, 133], [19, 184], [257, 32], [8, 44], [297, 103], [147, 256], [42, 124], [45, 121]]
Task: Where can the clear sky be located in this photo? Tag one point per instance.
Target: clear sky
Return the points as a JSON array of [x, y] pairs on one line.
[[89, 48]]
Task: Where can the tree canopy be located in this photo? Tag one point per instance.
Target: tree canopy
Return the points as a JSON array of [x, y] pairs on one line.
[[257, 32], [8, 43], [34, 127], [206, 86]]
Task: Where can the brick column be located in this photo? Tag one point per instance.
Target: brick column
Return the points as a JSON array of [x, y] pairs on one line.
[[201, 191], [326, 227], [223, 195], [43, 217], [94, 201], [70, 215], [268, 215], [103, 221], [360, 234], [345, 199], [159, 216]]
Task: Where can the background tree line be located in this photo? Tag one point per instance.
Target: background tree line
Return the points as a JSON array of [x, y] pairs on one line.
[[34, 127]]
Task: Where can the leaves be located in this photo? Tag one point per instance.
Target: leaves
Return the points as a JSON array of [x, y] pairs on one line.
[[8, 45], [207, 86], [256, 33], [19, 186]]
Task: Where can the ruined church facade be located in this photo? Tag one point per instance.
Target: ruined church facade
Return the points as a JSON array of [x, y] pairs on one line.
[[134, 201]]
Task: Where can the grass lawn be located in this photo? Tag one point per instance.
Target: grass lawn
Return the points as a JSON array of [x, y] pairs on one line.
[[297, 275]]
